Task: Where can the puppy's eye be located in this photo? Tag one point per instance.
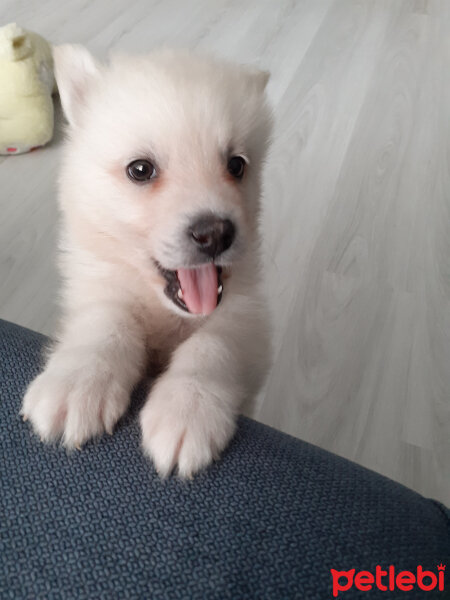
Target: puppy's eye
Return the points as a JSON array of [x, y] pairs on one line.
[[141, 170], [236, 166]]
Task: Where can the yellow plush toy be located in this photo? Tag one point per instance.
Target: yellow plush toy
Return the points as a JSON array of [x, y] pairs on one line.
[[26, 87]]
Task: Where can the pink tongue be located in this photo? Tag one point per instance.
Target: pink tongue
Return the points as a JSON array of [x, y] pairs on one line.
[[199, 287]]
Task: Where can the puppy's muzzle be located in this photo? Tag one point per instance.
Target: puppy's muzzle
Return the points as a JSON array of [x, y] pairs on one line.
[[212, 235]]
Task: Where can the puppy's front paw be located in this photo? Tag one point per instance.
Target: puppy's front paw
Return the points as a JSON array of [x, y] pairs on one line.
[[186, 423], [75, 401]]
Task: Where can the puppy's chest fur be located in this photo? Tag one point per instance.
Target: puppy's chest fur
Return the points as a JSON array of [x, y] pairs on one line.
[[164, 332]]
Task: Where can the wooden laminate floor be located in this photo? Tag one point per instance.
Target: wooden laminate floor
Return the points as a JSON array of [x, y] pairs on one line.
[[357, 209]]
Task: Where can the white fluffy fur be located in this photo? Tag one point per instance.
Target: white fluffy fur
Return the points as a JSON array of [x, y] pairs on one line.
[[187, 113]]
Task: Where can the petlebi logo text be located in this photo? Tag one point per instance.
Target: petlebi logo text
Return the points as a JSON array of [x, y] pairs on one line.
[[388, 579]]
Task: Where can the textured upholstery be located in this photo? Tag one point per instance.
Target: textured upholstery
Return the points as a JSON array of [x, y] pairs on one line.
[[267, 521]]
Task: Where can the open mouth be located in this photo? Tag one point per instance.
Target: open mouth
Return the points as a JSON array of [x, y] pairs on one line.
[[196, 290]]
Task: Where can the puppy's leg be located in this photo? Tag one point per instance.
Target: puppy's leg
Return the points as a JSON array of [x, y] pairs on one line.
[[190, 415], [85, 387]]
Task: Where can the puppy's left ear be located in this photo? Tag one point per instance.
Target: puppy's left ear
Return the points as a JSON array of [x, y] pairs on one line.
[[75, 71]]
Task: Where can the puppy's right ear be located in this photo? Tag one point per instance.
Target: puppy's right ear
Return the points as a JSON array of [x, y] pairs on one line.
[[75, 70]]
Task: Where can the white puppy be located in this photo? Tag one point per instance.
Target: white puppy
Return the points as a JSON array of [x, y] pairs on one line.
[[159, 194]]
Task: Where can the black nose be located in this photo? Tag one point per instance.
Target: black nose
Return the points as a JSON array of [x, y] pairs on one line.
[[212, 235]]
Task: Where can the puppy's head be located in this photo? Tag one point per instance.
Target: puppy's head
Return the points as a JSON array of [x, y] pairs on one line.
[[162, 165]]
